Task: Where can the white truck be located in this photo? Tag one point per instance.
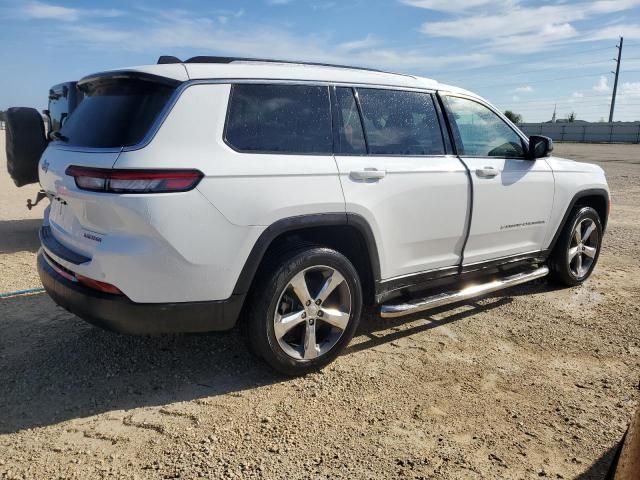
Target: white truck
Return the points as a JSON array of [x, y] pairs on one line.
[[193, 195]]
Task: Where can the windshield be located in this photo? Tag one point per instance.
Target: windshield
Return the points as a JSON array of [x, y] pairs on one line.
[[115, 112]]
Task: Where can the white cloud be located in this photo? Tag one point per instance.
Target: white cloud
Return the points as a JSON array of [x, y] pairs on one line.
[[455, 5], [614, 32], [516, 27], [602, 85], [323, 6], [515, 98], [630, 89], [524, 89], [53, 12], [46, 11], [577, 95], [160, 32], [366, 42], [99, 35]]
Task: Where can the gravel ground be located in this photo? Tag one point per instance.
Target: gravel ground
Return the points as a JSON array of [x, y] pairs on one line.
[[531, 382]]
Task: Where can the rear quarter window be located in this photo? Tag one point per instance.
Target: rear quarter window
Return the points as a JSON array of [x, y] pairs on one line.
[[115, 112], [279, 119]]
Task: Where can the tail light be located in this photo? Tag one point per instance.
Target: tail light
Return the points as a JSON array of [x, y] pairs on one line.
[[134, 181]]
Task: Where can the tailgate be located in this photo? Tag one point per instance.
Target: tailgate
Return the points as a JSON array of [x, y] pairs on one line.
[[74, 215]]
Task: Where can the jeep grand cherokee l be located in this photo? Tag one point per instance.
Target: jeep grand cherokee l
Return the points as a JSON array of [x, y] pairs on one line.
[[188, 195]]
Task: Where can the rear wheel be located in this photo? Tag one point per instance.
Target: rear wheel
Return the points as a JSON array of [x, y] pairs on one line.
[[304, 310], [576, 252]]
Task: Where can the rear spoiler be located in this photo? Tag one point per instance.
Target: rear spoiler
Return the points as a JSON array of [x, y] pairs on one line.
[[126, 75]]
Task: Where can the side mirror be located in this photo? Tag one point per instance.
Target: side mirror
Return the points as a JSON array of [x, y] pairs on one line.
[[539, 146]]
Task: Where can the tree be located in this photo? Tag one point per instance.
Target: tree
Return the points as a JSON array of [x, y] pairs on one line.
[[3, 116], [514, 117], [571, 117]]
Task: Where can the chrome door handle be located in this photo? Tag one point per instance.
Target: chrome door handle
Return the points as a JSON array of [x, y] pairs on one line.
[[368, 174], [487, 172]]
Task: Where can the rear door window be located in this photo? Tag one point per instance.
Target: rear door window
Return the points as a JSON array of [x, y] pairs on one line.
[[115, 112], [279, 119], [400, 122]]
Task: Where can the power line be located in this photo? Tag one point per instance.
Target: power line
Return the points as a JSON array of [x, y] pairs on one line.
[[572, 55], [576, 107], [553, 67], [541, 81], [458, 79]]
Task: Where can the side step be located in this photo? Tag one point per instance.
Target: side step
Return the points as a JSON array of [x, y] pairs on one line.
[[414, 306]]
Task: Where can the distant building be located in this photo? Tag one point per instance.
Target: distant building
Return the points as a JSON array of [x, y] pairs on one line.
[[553, 118]]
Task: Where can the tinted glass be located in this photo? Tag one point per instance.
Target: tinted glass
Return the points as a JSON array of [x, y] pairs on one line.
[[482, 133], [400, 123], [350, 126], [58, 110], [280, 118], [115, 113]]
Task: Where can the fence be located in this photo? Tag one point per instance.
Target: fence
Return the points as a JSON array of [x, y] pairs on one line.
[[619, 132]]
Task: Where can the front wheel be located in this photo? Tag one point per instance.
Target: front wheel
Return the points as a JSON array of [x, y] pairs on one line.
[[576, 253], [304, 310]]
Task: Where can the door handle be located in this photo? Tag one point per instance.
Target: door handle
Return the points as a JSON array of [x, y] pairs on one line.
[[487, 172], [368, 174]]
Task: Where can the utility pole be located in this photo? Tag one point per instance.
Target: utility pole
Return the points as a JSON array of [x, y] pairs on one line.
[[615, 83]]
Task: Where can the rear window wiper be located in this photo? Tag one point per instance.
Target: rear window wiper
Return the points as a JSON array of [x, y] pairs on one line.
[[58, 136]]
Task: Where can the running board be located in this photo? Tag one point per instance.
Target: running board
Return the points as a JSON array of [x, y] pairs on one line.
[[399, 310]]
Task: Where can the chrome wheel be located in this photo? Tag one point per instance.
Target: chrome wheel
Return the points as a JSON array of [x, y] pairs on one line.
[[583, 247], [312, 313]]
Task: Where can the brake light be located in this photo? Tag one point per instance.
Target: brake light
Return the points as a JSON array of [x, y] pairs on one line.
[[134, 181], [96, 285]]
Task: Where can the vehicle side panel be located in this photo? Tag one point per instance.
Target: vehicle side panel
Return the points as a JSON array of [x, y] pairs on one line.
[[571, 178], [417, 212]]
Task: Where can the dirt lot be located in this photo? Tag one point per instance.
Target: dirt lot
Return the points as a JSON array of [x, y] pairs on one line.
[[533, 382]]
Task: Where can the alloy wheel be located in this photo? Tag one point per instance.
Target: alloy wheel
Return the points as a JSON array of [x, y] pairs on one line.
[[312, 312], [583, 247]]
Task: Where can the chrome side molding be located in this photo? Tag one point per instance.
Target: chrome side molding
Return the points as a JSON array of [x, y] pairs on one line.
[[401, 309]]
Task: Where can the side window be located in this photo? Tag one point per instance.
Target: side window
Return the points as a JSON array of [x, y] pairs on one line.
[[349, 124], [280, 119], [59, 111], [400, 122], [480, 132]]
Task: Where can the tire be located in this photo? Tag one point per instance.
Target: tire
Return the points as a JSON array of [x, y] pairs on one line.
[[25, 142], [282, 321], [572, 260]]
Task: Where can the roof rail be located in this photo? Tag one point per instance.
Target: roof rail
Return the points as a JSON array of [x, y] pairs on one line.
[[215, 59]]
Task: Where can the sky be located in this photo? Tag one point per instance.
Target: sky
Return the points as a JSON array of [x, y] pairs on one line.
[[526, 56]]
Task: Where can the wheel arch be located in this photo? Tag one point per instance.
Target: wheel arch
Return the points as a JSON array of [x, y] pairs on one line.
[[347, 233], [596, 198]]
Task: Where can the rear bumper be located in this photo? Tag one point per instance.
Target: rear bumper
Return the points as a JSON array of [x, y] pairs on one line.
[[118, 313]]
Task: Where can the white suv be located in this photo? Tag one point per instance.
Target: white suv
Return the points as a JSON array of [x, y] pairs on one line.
[[188, 195]]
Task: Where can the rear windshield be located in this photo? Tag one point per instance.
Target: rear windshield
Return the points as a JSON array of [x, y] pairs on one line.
[[115, 113]]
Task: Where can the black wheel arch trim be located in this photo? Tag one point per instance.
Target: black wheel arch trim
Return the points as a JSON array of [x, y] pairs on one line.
[[591, 192], [291, 224]]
